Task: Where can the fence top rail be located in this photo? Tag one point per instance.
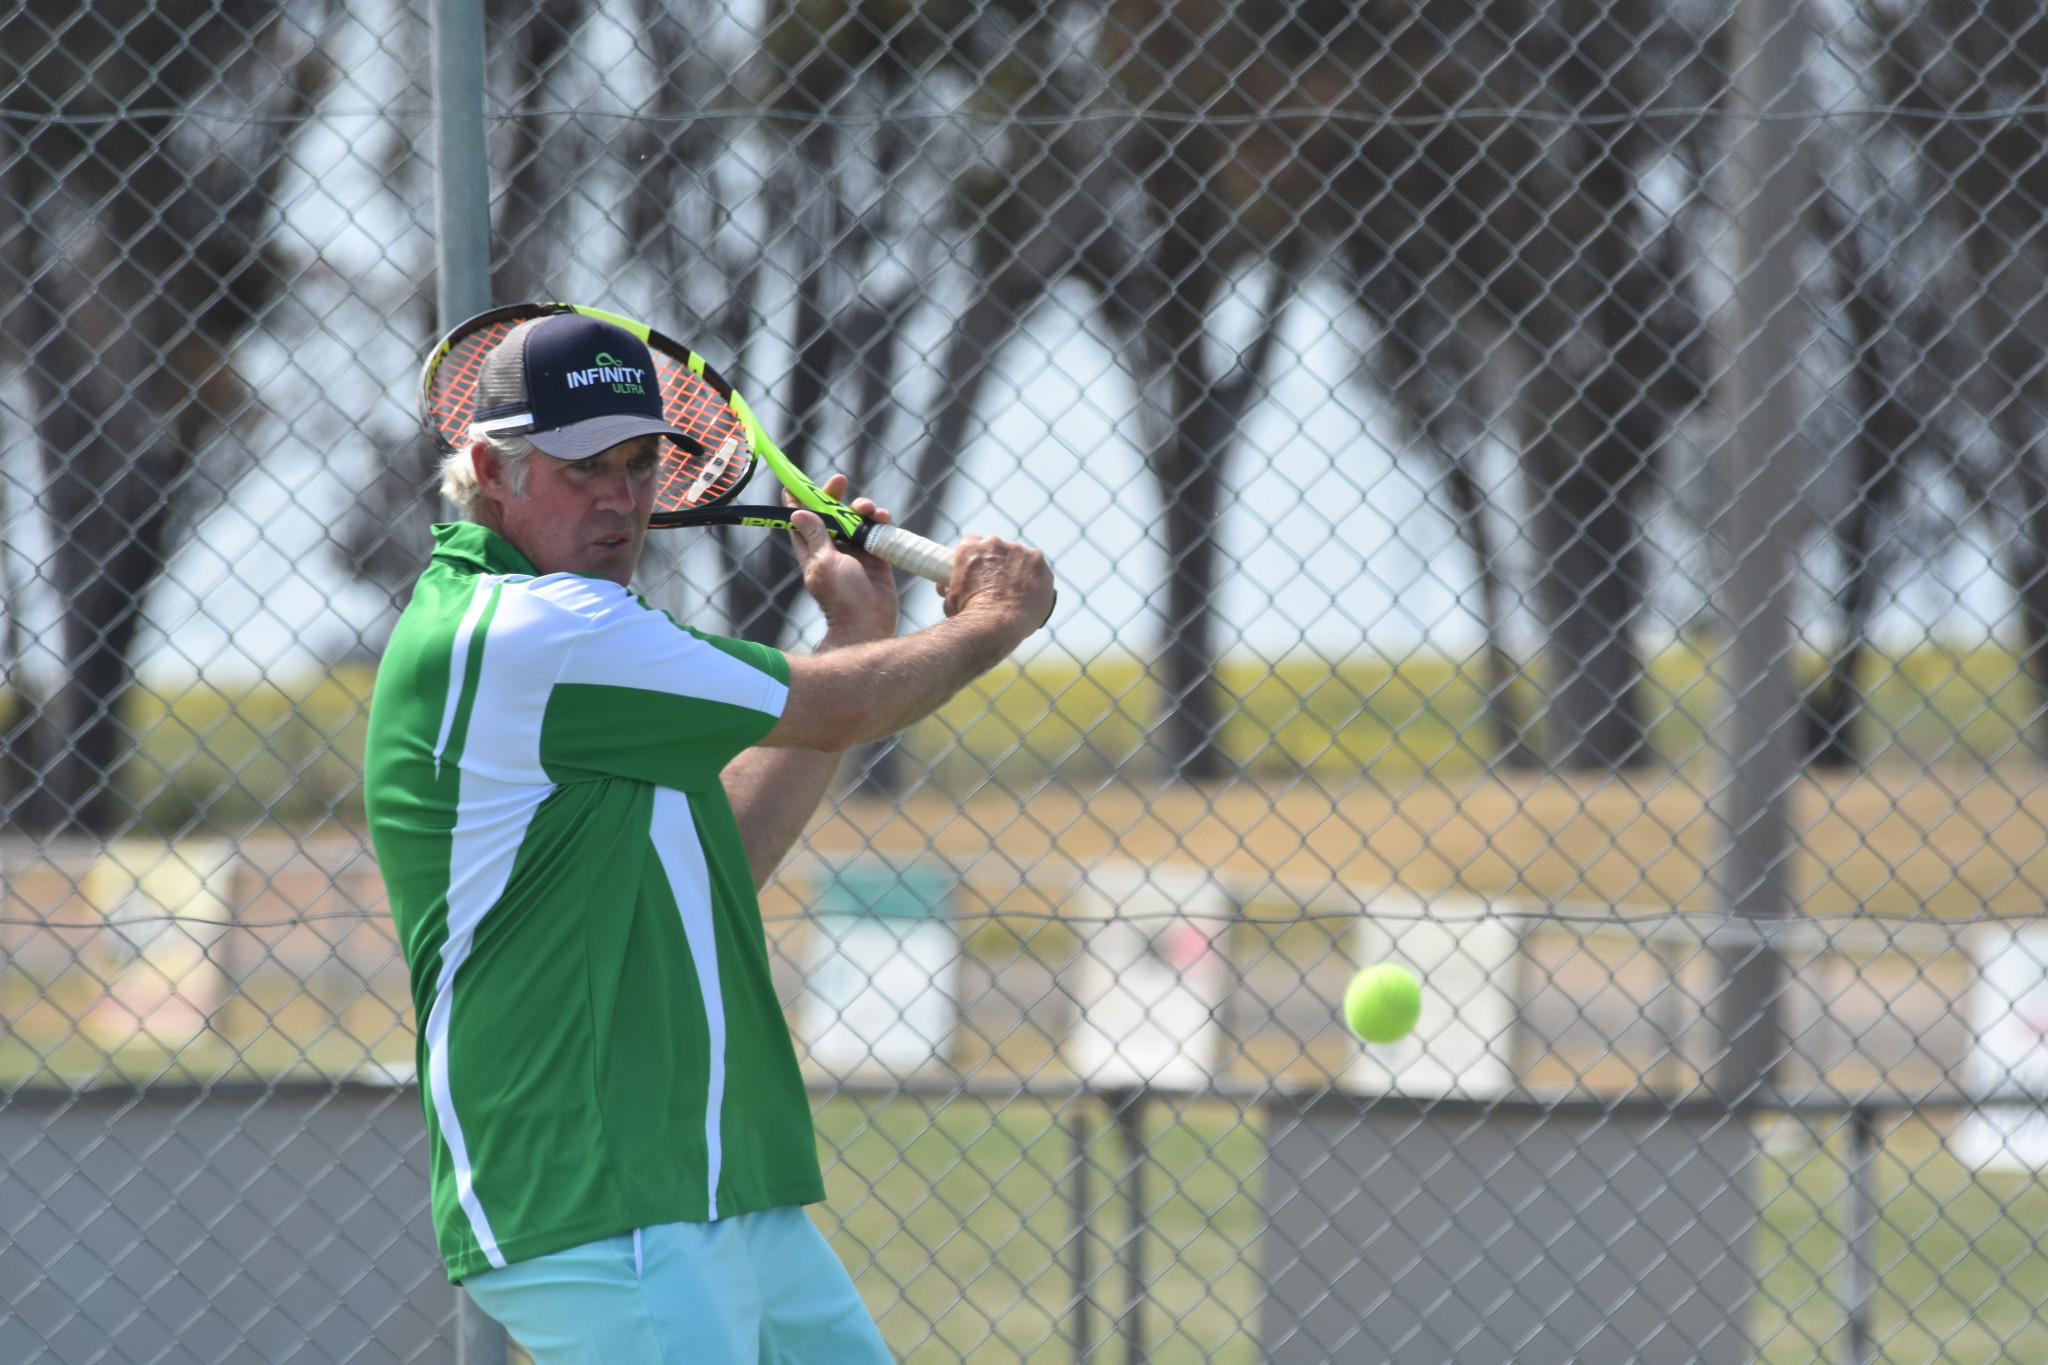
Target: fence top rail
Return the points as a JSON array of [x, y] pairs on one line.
[[1243, 1095], [1066, 888]]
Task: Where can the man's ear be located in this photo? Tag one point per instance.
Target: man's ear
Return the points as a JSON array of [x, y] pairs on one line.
[[490, 470]]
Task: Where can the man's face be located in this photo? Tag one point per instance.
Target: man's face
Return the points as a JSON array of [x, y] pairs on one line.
[[583, 516]]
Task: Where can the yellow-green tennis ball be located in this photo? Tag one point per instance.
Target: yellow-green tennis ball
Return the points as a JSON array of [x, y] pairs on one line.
[[1383, 1002]]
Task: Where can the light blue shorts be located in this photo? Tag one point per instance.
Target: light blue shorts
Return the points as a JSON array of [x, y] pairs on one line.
[[756, 1287]]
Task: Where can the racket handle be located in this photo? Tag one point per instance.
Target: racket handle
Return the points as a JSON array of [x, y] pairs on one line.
[[908, 550]]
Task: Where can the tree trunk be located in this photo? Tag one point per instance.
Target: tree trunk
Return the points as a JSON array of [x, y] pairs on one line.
[[1430, 368], [23, 180], [990, 321], [1888, 430], [2009, 258], [662, 154], [1188, 467], [762, 594], [2029, 569], [1053, 221], [1590, 584], [102, 396], [144, 266], [1589, 461], [1510, 747]]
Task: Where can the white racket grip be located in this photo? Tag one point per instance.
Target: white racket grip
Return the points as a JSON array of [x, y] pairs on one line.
[[911, 551]]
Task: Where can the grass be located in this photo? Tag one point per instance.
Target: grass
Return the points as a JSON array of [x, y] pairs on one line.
[[954, 1215], [1425, 713], [954, 1222], [1961, 1257], [286, 751], [290, 750], [954, 1219]]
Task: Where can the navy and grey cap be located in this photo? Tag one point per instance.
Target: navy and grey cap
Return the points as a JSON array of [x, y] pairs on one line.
[[573, 385]]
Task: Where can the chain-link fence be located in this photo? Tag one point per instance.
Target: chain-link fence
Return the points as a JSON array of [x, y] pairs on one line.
[[1554, 492]]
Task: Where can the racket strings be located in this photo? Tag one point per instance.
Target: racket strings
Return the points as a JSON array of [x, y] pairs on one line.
[[694, 407], [452, 394], [688, 481]]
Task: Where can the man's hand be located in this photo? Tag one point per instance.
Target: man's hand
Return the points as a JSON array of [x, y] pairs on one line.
[[858, 689], [856, 591], [865, 681], [1001, 576]]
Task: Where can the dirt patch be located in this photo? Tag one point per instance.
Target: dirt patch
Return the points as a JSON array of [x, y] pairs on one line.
[[1909, 841]]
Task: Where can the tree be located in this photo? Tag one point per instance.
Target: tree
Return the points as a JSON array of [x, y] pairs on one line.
[[1438, 377], [545, 156], [1897, 341], [845, 89], [144, 144], [1259, 129], [1969, 79]]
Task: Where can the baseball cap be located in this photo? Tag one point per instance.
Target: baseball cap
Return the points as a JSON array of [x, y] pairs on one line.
[[573, 385]]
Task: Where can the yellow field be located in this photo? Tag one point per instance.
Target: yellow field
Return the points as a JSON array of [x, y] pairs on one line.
[[1361, 777], [288, 751]]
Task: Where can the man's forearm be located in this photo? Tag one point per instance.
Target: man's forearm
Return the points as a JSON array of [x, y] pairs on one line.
[[775, 790], [867, 691], [774, 793], [901, 681]]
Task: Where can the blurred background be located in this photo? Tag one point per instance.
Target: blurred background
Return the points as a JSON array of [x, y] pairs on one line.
[[1551, 491]]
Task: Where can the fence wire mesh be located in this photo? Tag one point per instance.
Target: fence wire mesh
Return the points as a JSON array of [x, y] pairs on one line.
[[1552, 492]]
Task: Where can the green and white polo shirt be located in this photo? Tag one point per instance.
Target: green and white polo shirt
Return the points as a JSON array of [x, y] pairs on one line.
[[600, 1044]]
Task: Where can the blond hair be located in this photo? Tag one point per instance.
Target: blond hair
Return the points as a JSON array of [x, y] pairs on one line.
[[458, 473]]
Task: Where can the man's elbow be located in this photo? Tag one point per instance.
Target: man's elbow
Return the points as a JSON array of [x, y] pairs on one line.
[[831, 708], [827, 732], [833, 743]]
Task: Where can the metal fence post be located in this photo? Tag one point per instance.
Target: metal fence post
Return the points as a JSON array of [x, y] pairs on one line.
[[462, 281], [462, 230], [1127, 1108], [1859, 1267], [1757, 733], [1081, 1203]]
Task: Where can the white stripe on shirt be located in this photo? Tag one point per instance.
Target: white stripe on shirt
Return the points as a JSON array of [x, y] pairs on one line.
[[458, 664], [674, 831], [500, 787]]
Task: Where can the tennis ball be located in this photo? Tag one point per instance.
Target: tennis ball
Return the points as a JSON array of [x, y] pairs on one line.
[[1383, 1002]]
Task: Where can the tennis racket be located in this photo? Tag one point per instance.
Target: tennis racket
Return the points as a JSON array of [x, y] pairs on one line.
[[699, 481]]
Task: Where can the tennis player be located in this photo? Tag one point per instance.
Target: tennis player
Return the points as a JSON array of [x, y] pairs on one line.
[[573, 799]]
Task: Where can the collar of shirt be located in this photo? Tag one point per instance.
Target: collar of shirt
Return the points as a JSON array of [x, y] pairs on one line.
[[477, 548]]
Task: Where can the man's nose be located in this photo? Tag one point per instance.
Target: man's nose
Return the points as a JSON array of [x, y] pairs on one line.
[[615, 490]]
